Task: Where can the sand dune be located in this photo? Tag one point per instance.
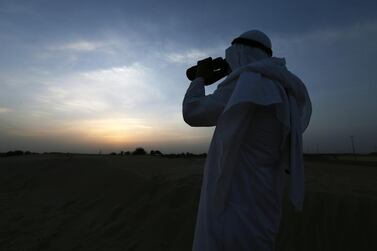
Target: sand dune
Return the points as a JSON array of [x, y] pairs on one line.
[[149, 203]]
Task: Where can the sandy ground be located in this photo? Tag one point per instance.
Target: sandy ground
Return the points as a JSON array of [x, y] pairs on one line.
[[149, 203]]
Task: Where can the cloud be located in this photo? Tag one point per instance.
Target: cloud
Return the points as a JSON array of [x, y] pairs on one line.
[[82, 46], [113, 105], [190, 55], [356, 31], [11, 7], [320, 57], [100, 92], [5, 110]]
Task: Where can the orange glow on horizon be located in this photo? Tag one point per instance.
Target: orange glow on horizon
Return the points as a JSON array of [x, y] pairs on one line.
[[114, 131]]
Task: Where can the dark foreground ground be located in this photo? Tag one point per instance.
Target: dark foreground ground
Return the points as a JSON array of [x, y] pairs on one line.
[[149, 203]]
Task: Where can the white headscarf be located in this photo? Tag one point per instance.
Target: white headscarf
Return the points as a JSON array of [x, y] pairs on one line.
[[239, 55]]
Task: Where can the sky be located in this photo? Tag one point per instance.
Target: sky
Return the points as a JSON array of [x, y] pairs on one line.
[[90, 76]]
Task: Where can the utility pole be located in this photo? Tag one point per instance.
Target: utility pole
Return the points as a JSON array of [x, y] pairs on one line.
[[353, 147]]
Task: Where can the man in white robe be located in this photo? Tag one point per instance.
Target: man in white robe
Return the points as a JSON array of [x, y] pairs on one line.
[[260, 112]]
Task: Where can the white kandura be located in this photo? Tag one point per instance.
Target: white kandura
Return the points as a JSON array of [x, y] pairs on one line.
[[260, 112]]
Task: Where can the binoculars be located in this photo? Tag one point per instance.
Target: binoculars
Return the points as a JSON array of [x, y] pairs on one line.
[[215, 69]]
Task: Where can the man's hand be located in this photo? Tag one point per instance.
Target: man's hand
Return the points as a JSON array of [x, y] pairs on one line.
[[205, 69]]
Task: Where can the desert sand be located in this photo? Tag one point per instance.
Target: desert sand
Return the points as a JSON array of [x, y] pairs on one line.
[[102, 202]]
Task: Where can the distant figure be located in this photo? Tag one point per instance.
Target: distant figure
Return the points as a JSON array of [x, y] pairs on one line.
[[260, 111]]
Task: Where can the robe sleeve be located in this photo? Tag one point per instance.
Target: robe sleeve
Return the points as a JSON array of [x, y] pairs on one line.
[[203, 110]]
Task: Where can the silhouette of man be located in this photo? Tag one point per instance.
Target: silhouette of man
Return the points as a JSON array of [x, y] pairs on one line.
[[260, 111]]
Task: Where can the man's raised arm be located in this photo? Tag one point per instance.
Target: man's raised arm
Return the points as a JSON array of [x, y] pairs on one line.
[[201, 110]]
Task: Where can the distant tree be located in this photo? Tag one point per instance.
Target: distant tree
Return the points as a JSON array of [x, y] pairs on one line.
[[157, 152], [14, 153], [170, 155], [113, 153], [121, 153], [190, 154], [139, 151], [127, 153]]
